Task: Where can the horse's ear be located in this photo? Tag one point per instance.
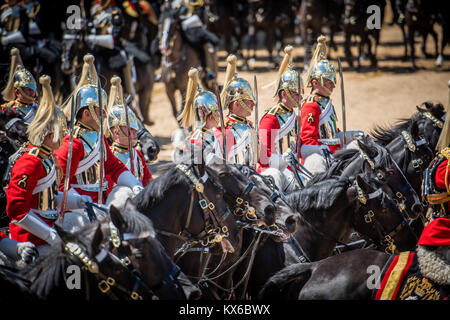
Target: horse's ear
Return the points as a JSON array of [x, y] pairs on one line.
[[415, 131], [97, 240], [116, 217], [362, 183], [365, 147]]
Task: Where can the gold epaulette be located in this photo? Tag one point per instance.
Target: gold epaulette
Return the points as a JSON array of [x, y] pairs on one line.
[[273, 111], [446, 153], [310, 99], [34, 152], [78, 132]]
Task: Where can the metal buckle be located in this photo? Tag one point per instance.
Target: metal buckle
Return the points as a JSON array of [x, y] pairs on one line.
[[135, 296], [103, 286], [239, 201], [417, 163], [211, 206], [399, 195], [203, 204], [368, 217], [126, 261], [115, 240]]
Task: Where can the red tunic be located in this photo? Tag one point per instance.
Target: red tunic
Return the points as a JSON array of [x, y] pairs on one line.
[[25, 174], [113, 166], [268, 124], [439, 178], [147, 175], [309, 121]]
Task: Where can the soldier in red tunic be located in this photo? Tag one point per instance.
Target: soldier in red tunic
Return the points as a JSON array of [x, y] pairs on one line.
[[117, 126], [202, 111], [21, 90], [85, 163], [278, 126], [318, 118], [32, 194], [237, 96]]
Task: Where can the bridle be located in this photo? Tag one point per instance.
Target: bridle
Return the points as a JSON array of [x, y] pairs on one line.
[[214, 230], [116, 239], [413, 146], [386, 237], [106, 284]]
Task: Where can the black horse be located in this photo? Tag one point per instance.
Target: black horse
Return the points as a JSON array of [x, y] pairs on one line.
[[101, 274], [352, 275], [356, 24], [193, 222], [133, 240], [327, 213]]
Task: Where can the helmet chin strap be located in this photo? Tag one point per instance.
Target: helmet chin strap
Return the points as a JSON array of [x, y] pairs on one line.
[[324, 88], [25, 95], [244, 106], [291, 99]]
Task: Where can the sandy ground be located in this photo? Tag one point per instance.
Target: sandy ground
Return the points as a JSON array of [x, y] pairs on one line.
[[372, 96]]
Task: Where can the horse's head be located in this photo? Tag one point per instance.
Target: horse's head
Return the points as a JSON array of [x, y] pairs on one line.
[[379, 219], [169, 32], [244, 197], [431, 119], [383, 170], [135, 243], [412, 152], [12, 123], [149, 145], [86, 247]]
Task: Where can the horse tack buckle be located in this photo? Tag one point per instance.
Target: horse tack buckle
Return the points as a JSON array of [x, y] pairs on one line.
[[135, 296], [239, 201], [417, 163], [368, 217], [203, 204], [105, 285]]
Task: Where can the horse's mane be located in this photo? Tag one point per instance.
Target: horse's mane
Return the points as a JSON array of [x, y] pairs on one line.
[[137, 222], [319, 196], [49, 270], [342, 158], [384, 135]]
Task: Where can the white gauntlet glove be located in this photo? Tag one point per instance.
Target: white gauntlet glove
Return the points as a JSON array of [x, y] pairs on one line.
[[74, 200], [127, 179], [27, 252]]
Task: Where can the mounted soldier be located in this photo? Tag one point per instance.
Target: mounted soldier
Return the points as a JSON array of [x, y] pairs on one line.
[[196, 33], [436, 184], [278, 126], [21, 91], [33, 199], [20, 28], [124, 143], [106, 40], [241, 136], [202, 111], [319, 134], [85, 159]]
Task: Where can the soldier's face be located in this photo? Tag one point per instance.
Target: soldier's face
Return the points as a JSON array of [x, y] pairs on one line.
[[324, 90], [241, 111], [122, 137], [28, 93]]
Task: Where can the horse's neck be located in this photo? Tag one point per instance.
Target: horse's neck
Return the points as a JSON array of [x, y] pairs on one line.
[[319, 246]]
